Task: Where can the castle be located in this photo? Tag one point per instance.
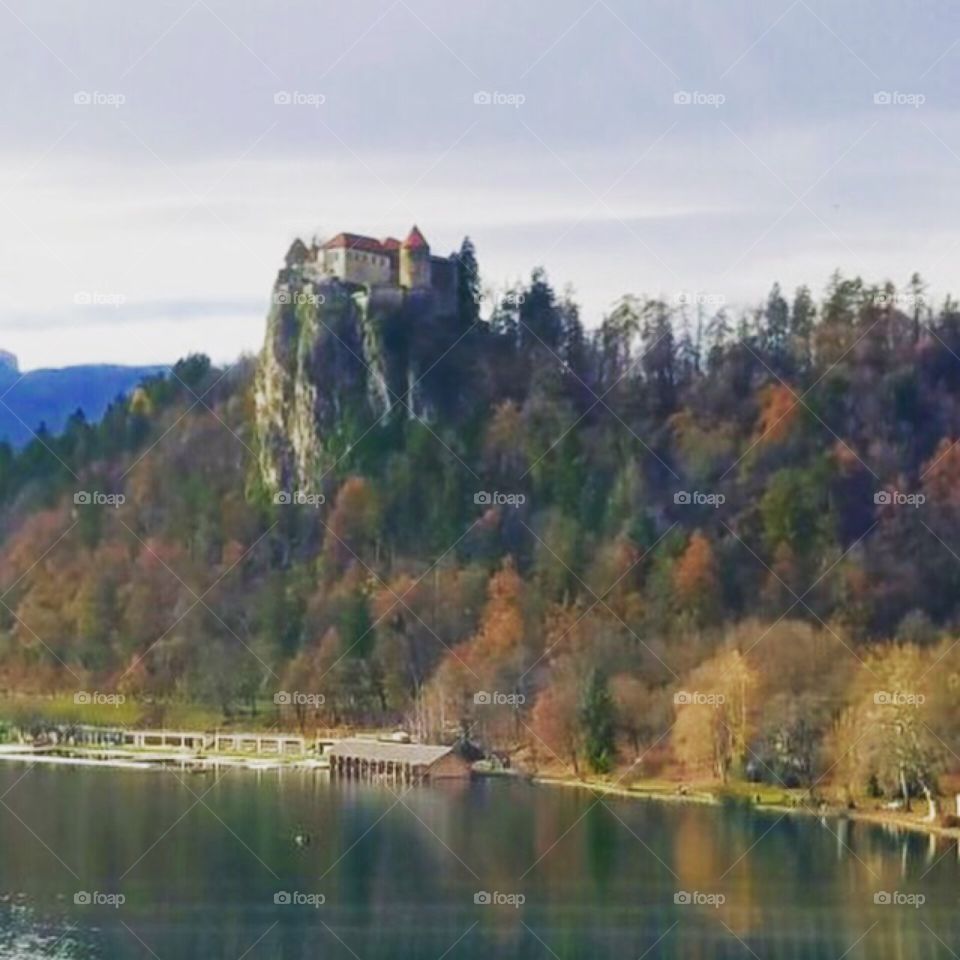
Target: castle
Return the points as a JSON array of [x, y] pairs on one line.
[[380, 266]]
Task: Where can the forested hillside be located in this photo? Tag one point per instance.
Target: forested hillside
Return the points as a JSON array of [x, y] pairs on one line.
[[597, 531], [45, 399]]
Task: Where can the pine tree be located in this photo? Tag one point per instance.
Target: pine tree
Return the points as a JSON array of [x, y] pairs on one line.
[[468, 284], [598, 720]]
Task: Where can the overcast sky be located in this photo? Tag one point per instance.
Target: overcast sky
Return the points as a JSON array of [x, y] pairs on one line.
[[150, 181]]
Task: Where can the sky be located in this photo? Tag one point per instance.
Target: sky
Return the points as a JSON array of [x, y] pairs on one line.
[[156, 160]]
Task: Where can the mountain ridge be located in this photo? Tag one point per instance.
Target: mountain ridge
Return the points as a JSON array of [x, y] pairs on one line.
[[50, 395]]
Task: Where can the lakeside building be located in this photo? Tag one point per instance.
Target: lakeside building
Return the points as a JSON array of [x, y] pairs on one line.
[[389, 759]]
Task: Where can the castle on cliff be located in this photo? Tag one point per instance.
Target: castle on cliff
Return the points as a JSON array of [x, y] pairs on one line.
[[379, 266]]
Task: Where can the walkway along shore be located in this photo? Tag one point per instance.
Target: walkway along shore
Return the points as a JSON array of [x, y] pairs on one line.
[[185, 750], [392, 757]]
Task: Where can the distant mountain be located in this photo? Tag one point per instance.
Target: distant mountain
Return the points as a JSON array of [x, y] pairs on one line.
[[51, 396]]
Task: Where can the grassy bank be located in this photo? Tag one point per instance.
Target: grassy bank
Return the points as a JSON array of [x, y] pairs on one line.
[[763, 797], [24, 711]]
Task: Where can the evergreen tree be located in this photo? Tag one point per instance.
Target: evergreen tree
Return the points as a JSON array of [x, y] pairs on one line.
[[468, 284], [598, 721], [802, 317]]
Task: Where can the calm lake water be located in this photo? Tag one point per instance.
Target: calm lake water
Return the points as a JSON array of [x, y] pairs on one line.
[[208, 869]]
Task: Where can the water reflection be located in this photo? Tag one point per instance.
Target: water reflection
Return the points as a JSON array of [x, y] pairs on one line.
[[201, 863]]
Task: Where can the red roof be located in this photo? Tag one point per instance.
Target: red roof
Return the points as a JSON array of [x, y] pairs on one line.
[[416, 240], [355, 241]]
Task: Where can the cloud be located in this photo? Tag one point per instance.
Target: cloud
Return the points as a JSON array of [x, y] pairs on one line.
[[179, 200]]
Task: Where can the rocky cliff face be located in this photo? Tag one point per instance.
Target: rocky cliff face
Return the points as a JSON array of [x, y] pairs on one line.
[[336, 361]]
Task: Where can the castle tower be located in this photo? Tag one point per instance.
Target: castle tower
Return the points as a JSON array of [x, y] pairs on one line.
[[415, 261]]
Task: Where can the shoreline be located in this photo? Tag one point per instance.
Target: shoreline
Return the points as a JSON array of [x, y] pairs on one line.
[[877, 818], [132, 760], [660, 791]]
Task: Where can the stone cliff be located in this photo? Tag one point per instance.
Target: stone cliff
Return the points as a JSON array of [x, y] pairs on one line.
[[338, 361]]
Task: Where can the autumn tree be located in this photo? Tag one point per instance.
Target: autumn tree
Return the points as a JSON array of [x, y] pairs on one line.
[[715, 715], [353, 525], [554, 725], [891, 724], [696, 581]]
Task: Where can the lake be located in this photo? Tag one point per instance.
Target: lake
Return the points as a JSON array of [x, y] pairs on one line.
[[118, 864]]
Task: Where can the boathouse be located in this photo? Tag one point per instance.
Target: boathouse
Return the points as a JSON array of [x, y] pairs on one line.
[[390, 760]]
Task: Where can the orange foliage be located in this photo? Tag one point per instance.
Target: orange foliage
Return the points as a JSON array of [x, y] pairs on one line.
[[501, 632], [779, 408], [554, 726], [353, 522], [941, 474], [695, 575]]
